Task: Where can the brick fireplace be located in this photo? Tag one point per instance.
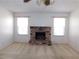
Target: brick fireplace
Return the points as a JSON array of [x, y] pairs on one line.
[[40, 35]]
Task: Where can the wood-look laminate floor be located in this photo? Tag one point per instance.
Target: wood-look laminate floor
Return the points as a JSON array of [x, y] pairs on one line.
[[27, 51]]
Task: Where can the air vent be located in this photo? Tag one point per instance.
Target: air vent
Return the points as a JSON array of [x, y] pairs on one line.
[[26, 1]]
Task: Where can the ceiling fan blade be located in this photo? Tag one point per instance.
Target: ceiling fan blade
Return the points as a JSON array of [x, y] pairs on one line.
[[26, 1]]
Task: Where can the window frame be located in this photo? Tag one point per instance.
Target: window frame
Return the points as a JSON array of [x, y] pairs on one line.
[[17, 25], [64, 28]]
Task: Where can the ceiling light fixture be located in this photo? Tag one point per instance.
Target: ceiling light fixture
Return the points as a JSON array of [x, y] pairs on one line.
[[45, 2]]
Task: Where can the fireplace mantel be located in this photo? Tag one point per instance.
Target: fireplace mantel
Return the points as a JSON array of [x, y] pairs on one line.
[[35, 29]]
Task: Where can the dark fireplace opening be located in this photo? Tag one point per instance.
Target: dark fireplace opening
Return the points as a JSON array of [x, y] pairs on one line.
[[40, 36]]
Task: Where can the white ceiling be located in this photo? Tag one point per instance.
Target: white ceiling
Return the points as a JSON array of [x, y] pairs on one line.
[[32, 6]]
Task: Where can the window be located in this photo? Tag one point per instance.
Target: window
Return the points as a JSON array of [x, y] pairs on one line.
[[59, 26], [22, 25]]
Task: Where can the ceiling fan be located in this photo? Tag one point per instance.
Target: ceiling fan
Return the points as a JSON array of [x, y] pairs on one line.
[[45, 2]]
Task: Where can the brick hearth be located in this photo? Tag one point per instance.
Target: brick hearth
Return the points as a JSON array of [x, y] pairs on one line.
[[35, 29]]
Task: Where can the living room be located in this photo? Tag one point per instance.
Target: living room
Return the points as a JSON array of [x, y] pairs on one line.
[[30, 28]]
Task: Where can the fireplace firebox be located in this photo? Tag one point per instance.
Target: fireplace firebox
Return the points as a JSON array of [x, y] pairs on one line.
[[40, 36]]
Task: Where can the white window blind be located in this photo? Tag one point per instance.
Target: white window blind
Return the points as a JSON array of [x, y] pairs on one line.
[[22, 25], [59, 26]]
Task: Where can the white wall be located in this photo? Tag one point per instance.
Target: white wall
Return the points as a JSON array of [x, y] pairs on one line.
[[74, 30], [6, 28], [42, 19]]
